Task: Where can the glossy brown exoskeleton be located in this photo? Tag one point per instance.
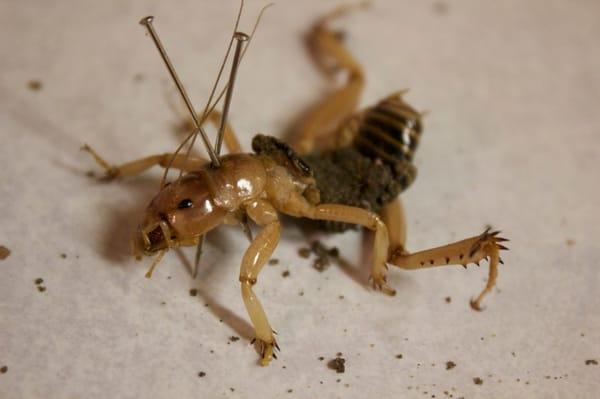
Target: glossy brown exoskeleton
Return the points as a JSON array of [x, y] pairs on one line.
[[344, 167]]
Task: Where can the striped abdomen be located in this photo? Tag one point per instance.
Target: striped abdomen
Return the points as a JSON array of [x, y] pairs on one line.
[[389, 131]]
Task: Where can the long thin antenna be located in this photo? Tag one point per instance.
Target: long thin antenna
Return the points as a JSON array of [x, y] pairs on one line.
[[147, 22], [240, 38]]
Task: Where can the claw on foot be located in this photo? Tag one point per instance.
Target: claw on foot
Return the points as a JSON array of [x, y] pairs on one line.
[[471, 250], [111, 171], [266, 350], [379, 283], [487, 247]]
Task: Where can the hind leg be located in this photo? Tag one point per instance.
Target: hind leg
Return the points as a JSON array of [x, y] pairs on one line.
[[331, 56], [471, 250]]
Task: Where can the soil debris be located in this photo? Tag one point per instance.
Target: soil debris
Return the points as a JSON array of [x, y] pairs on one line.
[[234, 338], [4, 252], [448, 299], [591, 362], [304, 252], [193, 292], [450, 365], [338, 364], [39, 281], [34, 85], [3, 369], [273, 262], [399, 356], [324, 255], [477, 381], [440, 8], [286, 273], [201, 374]]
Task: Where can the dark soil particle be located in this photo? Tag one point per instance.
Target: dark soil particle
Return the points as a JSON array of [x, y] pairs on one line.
[[34, 85], [290, 390], [448, 299], [324, 255], [591, 362], [3, 369], [285, 273], [39, 281], [477, 381], [193, 292], [399, 356], [63, 255], [440, 8], [4, 252], [321, 358], [273, 261], [338, 364], [450, 365], [304, 252], [201, 374], [41, 288], [234, 338]]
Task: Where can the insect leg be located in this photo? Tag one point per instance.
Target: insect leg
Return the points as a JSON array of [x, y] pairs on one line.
[[471, 250], [331, 56], [298, 206], [395, 221], [140, 165], [257, 254]]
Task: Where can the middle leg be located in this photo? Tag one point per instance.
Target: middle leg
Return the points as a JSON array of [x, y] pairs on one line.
[[297, 206]]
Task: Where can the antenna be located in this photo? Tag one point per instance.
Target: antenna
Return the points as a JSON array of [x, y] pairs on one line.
[[240, 38], [147, 22]]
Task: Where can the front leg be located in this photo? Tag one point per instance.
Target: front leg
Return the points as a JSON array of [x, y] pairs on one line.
[[257, 254], [134, 168]]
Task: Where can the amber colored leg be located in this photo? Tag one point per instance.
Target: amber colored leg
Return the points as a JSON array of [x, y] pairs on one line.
[[138, 166], [257, 254], [297, 206], [470, 250], [395, 221], [330, 54]]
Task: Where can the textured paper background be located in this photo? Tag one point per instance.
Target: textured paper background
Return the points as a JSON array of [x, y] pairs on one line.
[[512, 140]]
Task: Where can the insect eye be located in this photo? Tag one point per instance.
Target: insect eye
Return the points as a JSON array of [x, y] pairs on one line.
[[184, 204]]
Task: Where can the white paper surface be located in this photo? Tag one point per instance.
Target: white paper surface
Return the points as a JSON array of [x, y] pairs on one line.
[[512, 140]]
